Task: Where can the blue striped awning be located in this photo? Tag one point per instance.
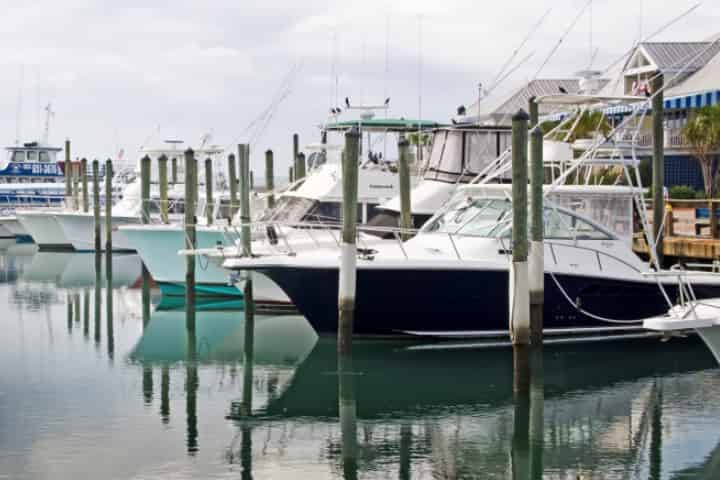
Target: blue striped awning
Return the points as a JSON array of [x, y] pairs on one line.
[[697, 100]]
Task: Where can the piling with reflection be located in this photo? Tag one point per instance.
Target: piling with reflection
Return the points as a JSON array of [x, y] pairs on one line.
[[68, 174], [190, 231], [232, 179], [536, 263], [248, 300], [348, 258]]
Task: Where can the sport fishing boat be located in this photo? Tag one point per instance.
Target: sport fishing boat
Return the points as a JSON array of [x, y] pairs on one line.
[[451, 280], [313, 201]]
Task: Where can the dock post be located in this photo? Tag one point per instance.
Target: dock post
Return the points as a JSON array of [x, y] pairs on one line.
[[348, 254], [300, 168], [145, 190], [163, 181], [76, 186], [232, 174], [68, 174], [519, 288], [85, 192], [269, 179], [244, 156], [536, 263], [108, 205], [174, 170], [658, 170], [190, 233], [296, 152], [404, 179], [252, 180], [209, 202], [96, 205], [291, 174]]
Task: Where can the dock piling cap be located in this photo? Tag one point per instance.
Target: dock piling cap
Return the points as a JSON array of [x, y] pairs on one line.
[[353, 132], [521, 115]]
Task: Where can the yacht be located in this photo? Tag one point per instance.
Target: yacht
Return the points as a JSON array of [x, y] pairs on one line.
[[451, 279], [301, 209]]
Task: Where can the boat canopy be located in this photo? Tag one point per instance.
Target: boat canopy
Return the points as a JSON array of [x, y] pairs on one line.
[[579, 99], [385, 125], [459, 154]]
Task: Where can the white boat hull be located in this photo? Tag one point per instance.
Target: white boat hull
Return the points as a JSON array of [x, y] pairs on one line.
[[79, 230], [158, 247], [44, 229], [13, 225]]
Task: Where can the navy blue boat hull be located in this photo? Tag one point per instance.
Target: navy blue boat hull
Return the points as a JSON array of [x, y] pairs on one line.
[[394, 301]]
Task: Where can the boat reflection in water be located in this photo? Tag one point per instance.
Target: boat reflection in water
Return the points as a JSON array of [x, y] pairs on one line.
[[77, 270], [591, 411]]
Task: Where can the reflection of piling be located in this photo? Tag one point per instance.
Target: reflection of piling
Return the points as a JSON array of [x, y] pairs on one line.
[[520, 453], [348, 258], [109, 309], [191, 386], [96, 205], [69, 303], [163, 187], [165, 394], [76, 300], [86, 313], [347, 409], [190, 231], [108, 205], [232, 179], [656, 432], [145, 295], [269, 179], [246, 452], [518, 288], [404, 181], [209, 202], [98, 296], [405, 451], [147, 384], [536, 262], [537, 412], [85, 192]]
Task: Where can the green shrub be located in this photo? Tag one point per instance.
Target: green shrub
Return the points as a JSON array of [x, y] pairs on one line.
[[682, 192]]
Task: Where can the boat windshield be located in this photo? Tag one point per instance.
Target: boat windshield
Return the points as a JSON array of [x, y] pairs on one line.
[[491, 217], [288, 209]]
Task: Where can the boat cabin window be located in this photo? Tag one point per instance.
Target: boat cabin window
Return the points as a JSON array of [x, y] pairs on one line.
[[18, 156], [44, 157], [490, 217], [32, 156]]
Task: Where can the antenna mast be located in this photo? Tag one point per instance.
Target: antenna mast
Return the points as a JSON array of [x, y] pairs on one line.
[[18, 113], [46, 131]]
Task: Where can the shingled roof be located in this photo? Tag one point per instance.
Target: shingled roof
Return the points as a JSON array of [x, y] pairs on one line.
[[673, 56]]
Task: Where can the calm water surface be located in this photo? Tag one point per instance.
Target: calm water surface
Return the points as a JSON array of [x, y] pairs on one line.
[[94, 383]]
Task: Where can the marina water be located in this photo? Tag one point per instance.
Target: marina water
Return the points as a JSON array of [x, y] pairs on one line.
[[134, 394]]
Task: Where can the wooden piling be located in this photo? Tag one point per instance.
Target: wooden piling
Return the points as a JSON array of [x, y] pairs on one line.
[[406, 222], [291, 174], [232, 179], [348, 255], [85, 192], [163, 186], [145, 190], [296, 151], [536, 263], [68, 174], [96, 205], [269, 179], [519, 288], [190, 232], [252, 180], [658, 170], [209, 202], [108, 205], [244, 156], [76, 186], [300, 166], [174, 170]]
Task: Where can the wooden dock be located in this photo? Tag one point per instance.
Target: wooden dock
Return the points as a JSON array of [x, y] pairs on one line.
[[682, 247]]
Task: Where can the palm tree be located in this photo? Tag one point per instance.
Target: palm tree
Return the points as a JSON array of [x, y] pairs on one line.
[[702, 133]]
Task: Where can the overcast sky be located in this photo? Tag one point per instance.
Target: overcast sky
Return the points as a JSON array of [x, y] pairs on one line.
[[115, 72]]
